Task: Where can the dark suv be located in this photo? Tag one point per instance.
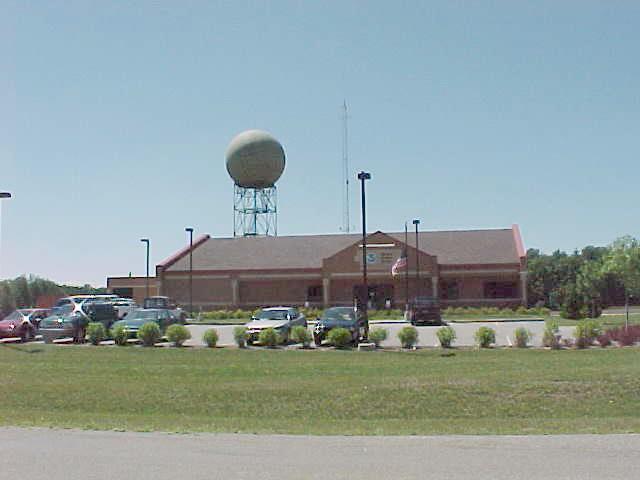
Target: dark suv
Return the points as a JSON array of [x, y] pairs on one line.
[[424, 311]]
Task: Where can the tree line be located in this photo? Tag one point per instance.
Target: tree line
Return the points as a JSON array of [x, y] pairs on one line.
[[31, 291], [584, 282]]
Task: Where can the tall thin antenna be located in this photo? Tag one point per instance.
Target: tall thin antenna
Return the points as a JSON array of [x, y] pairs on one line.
[[345, 168]]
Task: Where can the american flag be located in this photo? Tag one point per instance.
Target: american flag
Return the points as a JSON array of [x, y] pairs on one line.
[[400, 264]]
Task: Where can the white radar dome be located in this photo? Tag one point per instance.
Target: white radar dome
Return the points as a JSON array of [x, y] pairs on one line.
[[255, 159]]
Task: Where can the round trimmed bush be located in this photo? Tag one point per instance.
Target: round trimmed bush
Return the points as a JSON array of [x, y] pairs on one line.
[[408, 336], [378, 335], [96, 332], [240, 336], [586, 332], [485, 336], [119, 335], [210, 337], [339, 337], [523, 337], [299, 334], [268, 337], [178, 334], [446, 336], [149, 334]]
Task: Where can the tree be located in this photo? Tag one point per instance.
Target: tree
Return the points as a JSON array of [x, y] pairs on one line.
[[589, 284], [623, 260]]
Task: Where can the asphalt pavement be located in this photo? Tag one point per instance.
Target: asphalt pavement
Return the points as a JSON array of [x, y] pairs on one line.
[[43, 454]]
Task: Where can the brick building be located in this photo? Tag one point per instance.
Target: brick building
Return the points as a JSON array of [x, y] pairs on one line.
[[473, 267]]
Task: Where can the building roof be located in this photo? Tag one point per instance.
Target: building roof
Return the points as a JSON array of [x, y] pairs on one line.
[[461, 247]]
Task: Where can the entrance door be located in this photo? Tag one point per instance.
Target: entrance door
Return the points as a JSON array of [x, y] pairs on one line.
[[378, 295]]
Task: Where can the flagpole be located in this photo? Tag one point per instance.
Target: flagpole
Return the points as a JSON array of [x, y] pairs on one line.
[[406, 270]]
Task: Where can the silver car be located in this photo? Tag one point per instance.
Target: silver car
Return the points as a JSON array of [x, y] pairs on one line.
[[281, 319]]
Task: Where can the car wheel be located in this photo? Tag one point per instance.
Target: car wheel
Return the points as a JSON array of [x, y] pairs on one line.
[[27, 335], [249, 341], [317, 339]]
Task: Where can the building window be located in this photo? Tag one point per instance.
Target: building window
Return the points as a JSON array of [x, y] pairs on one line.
[[314, 293], [449, 290], [500, 290]]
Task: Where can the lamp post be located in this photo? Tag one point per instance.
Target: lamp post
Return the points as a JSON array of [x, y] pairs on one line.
[[416, 223], [363, 176], [406, 269], [3, 195], [189, 230], [146, 240]]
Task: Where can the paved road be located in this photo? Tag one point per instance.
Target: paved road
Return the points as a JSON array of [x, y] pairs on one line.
[[70, 454], [427, 335]]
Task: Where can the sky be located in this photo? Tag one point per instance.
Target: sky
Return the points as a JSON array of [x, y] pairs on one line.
[[115, 117]]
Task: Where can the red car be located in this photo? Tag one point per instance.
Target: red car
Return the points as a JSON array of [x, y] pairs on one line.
[[22, 323]]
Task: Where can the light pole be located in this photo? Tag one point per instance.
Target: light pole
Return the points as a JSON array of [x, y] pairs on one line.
[[416, 223], [189, 230], [146, 240], [3, 195], [363, 176], [406, 269]]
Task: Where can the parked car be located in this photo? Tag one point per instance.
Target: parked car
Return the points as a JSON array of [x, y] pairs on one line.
[[124, 306], [281, 319], [343, 317], [165, 303], [59, 324], [22, 323], [137, 318], [424, 311]]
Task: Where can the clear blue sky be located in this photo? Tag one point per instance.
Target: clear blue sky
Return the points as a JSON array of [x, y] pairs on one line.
[[114, 120]]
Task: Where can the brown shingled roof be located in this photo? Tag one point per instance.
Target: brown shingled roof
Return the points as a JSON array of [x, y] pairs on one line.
[[496, 246]]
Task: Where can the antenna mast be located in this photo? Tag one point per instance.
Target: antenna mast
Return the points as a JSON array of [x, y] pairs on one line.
[[345, 168]]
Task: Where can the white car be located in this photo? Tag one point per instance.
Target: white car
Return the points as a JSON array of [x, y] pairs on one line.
[[281, 319]]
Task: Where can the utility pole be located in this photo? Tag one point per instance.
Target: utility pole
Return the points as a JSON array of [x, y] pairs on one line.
[[416, 223], [146, 240], [345, 169], [189, 230]]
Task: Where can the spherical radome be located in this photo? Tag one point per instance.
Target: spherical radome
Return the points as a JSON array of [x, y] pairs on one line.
[[255, 159]]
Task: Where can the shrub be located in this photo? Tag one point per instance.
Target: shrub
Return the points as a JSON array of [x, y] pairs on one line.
[[408, 336], [550, 338], [604, 340], [96, 332], [522, 310], [149, 334], [299, 334], [485, 336], [178, 334], [586, 332], [573, 304], [625, 336], [268, 337], [120, 335], [339, 337], [378, 335], [240, 336], [523, 337], [446, 336], [210, 337]]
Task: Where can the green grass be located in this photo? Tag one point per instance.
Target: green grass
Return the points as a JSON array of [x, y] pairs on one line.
[[606, 321], [321, 392]]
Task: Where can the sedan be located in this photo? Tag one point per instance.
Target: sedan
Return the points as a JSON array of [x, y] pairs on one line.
[[339, 317], [22, 323], [137, 318], [281, 319]]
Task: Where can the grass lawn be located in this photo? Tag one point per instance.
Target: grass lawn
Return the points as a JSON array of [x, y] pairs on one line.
[[321, 392], [605, 321]]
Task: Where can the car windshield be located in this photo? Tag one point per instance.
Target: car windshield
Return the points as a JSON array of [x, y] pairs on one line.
[[145, 315], [62, 310], [155, 303], [14, 316], [272, 315], [339, 314]]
